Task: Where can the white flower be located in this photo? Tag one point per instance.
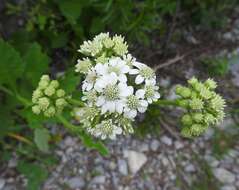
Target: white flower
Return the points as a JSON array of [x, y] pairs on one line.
[[129, 59], [112, 95], [90, 97], [106, 129], [115, 65], [119, 67], [150, 93], [89, 81], [134, 104], [144, 72]]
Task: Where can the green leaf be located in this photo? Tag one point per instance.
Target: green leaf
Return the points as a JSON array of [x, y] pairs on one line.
[[98, 145], [34, 173], [36, 63], [11, 64], [70, 80], [41, 138], [71, 9]]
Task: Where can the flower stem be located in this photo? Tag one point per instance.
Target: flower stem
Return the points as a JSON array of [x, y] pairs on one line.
[[21, 99], [76, 102], [68, 125], [167, 103]]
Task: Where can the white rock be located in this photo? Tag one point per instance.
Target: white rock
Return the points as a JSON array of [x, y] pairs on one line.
[[144, 147], [122, 165], [224, 175], [135, 160], [154, 145], [178, 145], [166, 140], [2, 183], [228, 187], [12, 163], [190, 168], [212, 161], [165, 161], [76, 182], [99, 180], [69, 142], [227, 36]]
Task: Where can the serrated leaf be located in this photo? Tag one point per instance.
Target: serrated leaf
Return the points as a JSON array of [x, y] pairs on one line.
[[36, 63], [41, 138], [35, 174], [70, 80], [11, 64], [71, 9]]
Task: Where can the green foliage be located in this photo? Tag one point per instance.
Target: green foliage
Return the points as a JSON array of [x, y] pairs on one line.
[[36, 63], [149, 125], [35, 174], [41, 138], [10, 62], [223, 141], [216, 66]]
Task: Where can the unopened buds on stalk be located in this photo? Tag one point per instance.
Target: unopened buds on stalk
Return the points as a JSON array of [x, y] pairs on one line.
[[48, 98], [204, 107]]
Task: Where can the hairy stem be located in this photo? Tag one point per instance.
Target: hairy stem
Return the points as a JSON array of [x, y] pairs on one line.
[[68, 125], [76, 102], [167, 103], [21, 99]]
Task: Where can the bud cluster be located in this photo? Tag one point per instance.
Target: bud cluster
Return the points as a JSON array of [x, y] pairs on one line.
[[48, 98], [203, 105]]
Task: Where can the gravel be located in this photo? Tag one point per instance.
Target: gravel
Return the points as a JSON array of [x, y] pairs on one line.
[[76, 182], [2, 183], [224, 175]]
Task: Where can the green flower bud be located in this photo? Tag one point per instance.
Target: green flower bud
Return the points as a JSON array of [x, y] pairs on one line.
[[49, 91], [197, 129], [54, 84], [45, 78], [211, 84], [185, 92], [205, 93], [36, 109], [198, 86], [108, 43], [193, 81], [60, 103], [186, 132], [36, 95], [198, 117], [178, 89], [60, 93], [43, 84], [50, 112], [209, 119], [196, 104], [186, 119], [43, 103], [120, 47], [217, 103], [83, 66], [183, 103]]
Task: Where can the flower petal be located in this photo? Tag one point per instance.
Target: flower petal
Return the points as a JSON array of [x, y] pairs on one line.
[[139, 79], [133, 71], [140, 93]]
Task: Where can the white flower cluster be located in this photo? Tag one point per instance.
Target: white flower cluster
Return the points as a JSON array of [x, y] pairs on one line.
[[115, 90]]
